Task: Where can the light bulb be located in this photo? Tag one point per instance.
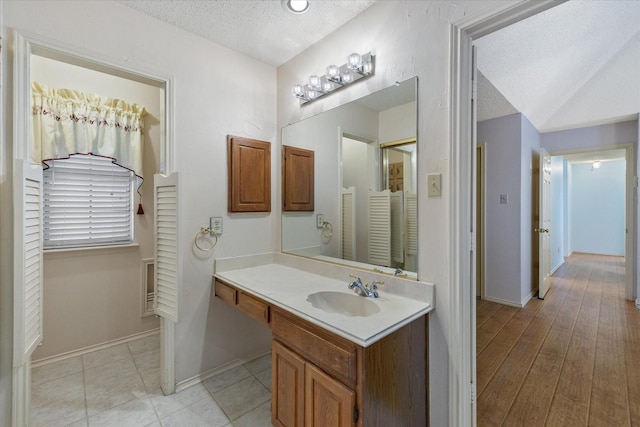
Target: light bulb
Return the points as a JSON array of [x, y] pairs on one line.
[[347, 77], [327, 86], [298, 90], [354, 61], [333, 72], [367, 67], [311, 93], [314, 81]]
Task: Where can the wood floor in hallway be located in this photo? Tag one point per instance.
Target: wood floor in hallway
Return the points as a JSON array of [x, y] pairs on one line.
[[570, 360]]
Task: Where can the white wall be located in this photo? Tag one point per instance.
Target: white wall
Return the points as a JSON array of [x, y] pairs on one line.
[[411, 39], [584, 138], [209, 103], [503, 234], [597, 199], [530, 153]]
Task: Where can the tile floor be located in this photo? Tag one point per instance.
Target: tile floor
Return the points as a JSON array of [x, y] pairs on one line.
[[120, 386]]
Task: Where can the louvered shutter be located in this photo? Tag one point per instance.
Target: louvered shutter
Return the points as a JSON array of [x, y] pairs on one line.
[[28, 291], [348, 223], [167, 262], [411, 214], [397, 227], [380, 227]]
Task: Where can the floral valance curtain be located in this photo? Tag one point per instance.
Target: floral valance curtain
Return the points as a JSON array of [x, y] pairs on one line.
[[67, 122]]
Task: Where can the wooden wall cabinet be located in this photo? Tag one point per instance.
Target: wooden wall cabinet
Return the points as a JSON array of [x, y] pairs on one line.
[[297, 179], [249, 175]]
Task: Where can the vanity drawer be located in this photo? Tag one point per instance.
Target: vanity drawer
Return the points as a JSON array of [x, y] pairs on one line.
[[254, 307], [328, 351], [226, 293]]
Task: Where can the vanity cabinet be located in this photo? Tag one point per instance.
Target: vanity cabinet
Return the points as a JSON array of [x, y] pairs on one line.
[[303, 394], [384, 384], [321, 379], [254, 307]]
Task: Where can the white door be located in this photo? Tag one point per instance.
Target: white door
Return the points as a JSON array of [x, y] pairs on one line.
[[544, 224], [28, 291], [167, 271]]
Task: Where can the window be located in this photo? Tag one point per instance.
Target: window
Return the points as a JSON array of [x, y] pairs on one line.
[[88, 201]]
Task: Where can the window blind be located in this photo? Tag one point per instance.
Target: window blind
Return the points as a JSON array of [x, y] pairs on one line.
[[88, 201]]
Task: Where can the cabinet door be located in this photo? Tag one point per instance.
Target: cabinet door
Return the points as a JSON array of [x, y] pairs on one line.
[[287, 387], [329, 403], [297, 179], [249, 175]]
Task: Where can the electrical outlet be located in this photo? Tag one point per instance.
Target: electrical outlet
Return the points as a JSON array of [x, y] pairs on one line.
[[215, 225]]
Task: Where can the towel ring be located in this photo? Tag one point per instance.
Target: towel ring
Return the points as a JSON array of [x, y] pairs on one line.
[[204, 231]]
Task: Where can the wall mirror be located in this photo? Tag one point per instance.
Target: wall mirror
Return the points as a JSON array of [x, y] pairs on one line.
[[365, 183]]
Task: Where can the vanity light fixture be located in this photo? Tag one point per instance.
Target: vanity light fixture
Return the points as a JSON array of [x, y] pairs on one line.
[[357, 67], [295, 6], [595, 164]]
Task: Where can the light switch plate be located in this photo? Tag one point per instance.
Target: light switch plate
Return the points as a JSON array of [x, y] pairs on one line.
[[504, 199], [434, 184], [319, 220]]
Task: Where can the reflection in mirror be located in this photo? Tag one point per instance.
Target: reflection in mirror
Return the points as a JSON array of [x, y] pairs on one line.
[[365, 183]]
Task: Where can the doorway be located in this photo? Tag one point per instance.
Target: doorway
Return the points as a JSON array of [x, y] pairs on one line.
[[28, 48], [463, 186]]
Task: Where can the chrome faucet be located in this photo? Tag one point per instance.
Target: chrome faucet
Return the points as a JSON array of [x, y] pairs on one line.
[[364, 289]]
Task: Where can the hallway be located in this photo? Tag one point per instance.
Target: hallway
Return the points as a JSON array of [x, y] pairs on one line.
[[572, 359]]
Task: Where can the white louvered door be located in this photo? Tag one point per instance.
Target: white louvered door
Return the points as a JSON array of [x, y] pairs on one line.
[[397, 227], [28, 290], [411, 221], [167, 261], [380, 227], [349, 223]]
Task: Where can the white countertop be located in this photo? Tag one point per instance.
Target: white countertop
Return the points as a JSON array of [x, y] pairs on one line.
[[287, 287]]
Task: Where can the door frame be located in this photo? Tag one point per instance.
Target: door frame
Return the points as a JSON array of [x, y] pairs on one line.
[[26, 44], [462, 181]]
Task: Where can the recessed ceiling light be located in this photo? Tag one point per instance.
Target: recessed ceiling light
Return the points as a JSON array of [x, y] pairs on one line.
[[295, 6]]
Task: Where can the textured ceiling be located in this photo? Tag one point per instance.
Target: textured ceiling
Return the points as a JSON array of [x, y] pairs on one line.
[[577, 64], [261, 29], [574, 65]]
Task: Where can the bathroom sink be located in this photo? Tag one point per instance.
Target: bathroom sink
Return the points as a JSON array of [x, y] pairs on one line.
[[342, 303]]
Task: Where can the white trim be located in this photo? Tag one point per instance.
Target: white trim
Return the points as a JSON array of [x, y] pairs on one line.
[[167, 356], [509, 303], [554, 269], [462, 286], [92, 348], [144, 280], [203, 376]]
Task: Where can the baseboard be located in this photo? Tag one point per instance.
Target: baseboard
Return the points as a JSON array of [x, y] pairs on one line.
[[527, 299], [203, 376], [504, 302], [553, 270], [85, 350]]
